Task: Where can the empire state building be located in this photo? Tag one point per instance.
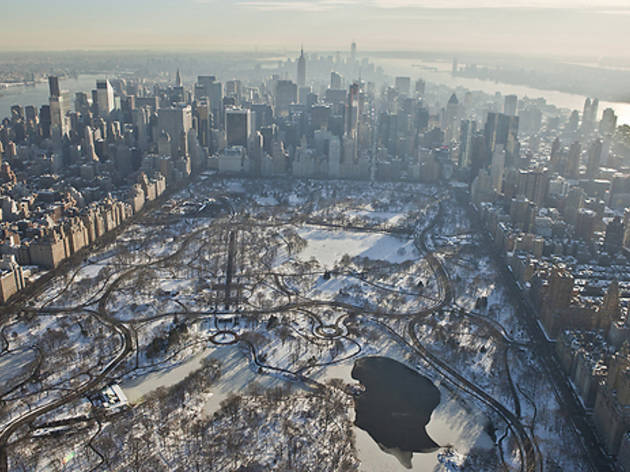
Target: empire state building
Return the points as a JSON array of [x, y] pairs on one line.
[[301, 69]]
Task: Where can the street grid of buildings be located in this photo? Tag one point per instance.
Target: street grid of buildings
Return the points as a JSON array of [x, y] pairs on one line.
[[551, 189]]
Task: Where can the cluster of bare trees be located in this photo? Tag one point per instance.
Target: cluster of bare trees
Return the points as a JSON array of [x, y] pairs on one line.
[[163, 433], [280, 429]]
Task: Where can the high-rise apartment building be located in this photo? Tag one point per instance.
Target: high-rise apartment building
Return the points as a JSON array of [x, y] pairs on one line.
[[403, 85], [238, 126], [176, 122], [286, 94], [336, 81]]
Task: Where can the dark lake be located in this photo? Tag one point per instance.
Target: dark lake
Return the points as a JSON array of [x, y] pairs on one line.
[[396, 405]]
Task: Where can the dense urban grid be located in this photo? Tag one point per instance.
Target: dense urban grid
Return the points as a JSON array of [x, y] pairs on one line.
[[244, 237]]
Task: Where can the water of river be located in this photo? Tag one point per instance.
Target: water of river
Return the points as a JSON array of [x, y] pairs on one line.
[[38, 95], [437, 72], [440, 73]]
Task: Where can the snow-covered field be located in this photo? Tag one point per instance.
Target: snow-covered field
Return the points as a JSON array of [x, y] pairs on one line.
[[15, 367], [329, 246]]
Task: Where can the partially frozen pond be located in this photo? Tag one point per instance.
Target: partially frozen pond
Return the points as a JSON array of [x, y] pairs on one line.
[[137, 388], [236, 374], [452, 423]]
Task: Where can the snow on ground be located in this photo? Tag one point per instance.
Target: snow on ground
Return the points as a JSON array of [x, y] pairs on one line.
[[266, 201], [389, 217], [235, 186], [15, 367], [329, 246], [186, 282], [237, 374], [139, 387]]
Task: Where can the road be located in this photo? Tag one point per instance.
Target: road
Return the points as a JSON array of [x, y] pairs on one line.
[[530, 457], [118, 327], [565, 395]]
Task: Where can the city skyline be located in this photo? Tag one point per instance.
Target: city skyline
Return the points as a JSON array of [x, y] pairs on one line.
[[315, 235]]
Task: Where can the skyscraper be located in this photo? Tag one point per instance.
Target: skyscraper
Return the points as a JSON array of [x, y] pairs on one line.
[[53, 86], [594, 159], [594, 109], [574, 122], [452, 118], [586, 112], [573, 160], [81, 103], [589, 115], [176, 122], [467, 131], [58, 126], [353, 51], [213, 90], [510, 105], [204, 120], [178, 79], [286, 94], [497, 167], [301, 69], [352, 124], [104, 97], [352, 111], [335, 81], [613, 239], [402, 85], [609, 122], [202, 87], [503, 129], [238, 126], [88, 143], [44, 120], [420, 87], [59, 104]]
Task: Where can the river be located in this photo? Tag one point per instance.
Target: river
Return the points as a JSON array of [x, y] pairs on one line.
[[38, 94], [440, 73], [437, 72]]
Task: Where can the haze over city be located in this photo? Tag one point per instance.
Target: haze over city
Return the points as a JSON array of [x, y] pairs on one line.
[[333, 236], [555, 27]]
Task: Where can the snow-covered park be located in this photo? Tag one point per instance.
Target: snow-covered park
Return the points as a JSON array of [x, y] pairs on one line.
[[232, 316]]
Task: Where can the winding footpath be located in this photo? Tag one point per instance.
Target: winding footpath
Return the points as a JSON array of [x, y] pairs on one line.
[[118, 327], [530, 459], [529, 454]]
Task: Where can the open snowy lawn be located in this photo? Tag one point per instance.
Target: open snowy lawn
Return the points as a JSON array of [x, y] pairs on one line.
[[15, 367], [329, 246]]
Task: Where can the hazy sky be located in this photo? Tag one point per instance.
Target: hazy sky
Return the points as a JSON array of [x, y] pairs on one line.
[[577, 27]]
